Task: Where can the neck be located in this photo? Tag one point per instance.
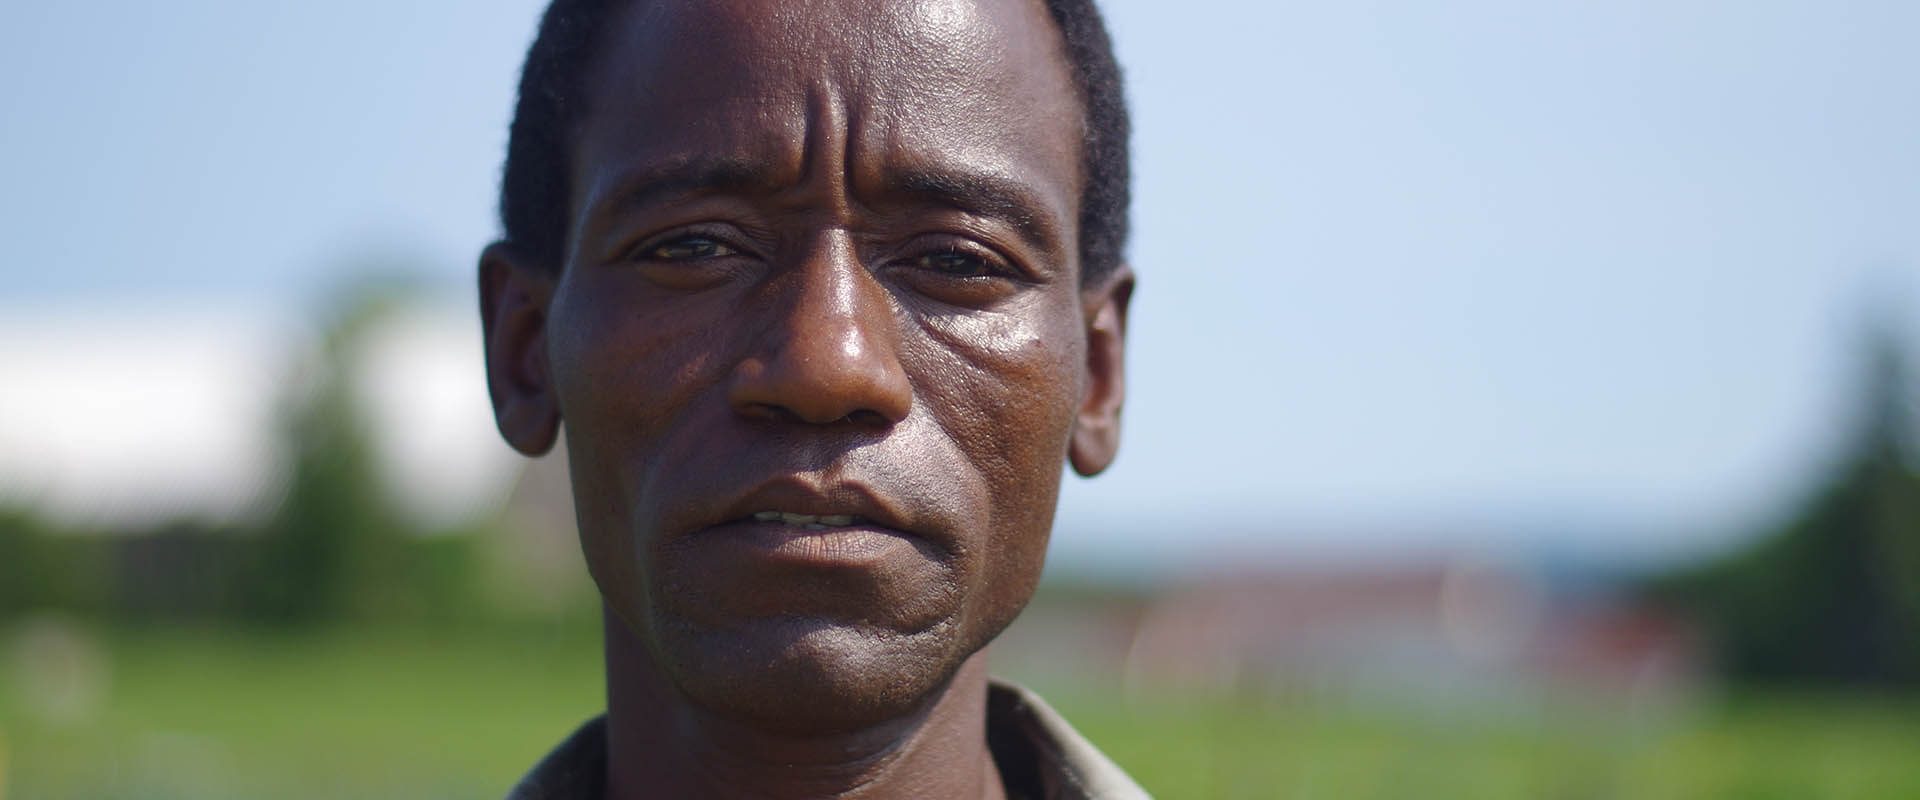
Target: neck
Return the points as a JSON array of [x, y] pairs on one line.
[[661, 746]]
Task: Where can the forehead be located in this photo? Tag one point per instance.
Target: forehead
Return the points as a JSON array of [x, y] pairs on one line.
[[895, 83]]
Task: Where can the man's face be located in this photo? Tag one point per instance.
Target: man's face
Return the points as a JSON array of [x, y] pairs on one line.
[[820, 343]]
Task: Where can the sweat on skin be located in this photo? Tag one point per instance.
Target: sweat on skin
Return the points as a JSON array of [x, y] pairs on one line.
[[821, 344]]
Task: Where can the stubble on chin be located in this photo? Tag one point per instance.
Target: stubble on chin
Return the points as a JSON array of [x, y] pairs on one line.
[[805, 676]]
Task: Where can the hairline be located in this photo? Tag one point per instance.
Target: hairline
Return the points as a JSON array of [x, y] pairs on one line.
[[576, 57]]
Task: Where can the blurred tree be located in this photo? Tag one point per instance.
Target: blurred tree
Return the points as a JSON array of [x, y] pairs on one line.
[[335, 546], [45, 567], [328, 548], [1833, 595]]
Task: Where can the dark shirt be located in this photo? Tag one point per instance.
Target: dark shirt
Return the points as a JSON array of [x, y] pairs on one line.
[[1040, 757]]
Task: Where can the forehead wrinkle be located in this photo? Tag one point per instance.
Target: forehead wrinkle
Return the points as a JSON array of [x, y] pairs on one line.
[[654, 79], [943, 44], [684, 175], [971, 70], [634, 154], [858, 88], [826, 146], [939, 137]]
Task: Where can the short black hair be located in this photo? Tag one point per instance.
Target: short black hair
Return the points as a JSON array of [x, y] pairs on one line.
[[535, 191]]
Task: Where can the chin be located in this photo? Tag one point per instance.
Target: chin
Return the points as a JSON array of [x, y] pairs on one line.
[[799, 675]]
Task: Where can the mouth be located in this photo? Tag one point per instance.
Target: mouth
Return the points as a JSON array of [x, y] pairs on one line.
[[800, 545], [794, 522], [818, 540], [813, 506], [810, 522]]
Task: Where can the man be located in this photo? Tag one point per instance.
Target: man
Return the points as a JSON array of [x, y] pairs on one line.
[[826, 292]]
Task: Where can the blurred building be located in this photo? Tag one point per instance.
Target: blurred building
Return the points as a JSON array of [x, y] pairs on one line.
[[1469, 633], [120, 418]]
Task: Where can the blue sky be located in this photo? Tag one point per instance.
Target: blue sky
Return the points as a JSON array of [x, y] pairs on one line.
[[1580, 274]]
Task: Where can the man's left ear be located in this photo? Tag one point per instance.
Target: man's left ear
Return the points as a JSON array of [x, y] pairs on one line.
[[1096, 428]]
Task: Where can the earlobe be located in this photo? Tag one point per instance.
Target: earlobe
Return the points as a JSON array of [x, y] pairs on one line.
[[514, 296], [1096, 428]]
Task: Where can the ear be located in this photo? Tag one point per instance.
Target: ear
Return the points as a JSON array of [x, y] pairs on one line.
[[514, 295], [1096, 429]]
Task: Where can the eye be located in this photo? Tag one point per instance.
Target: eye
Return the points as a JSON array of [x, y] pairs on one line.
[[960, 273], [691, 259], [960, 263], [955, 263], [688, 248]]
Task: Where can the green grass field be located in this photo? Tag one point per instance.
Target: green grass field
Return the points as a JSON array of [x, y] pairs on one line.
[[412, 715]]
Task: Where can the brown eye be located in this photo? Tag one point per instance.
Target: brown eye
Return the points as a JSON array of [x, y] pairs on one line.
[[689, 248], [956, 264]]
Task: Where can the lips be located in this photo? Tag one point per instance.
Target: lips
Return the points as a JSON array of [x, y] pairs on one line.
[[797, 502], [808, 521], [801, 518]]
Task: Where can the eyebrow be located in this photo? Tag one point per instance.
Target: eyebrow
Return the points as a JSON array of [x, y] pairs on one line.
[[695, 175], [982, 194]]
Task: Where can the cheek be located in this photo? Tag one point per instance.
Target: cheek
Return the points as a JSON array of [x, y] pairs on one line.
[[620, 376], [614, 348], [624, 363], [1013, 384]]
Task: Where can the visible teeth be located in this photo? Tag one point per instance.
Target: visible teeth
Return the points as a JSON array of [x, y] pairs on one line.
[[809, 521], [813, 526]]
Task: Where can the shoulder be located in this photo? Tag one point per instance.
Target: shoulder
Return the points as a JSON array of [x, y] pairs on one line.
[[1036, 747], [1039, 754], [575, 770]]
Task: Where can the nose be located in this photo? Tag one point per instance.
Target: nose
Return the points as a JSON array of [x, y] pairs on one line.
[[830, 354]]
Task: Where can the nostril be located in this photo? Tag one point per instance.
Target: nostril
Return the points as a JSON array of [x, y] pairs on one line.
[[868, 418], [771, 412], [864, 418]]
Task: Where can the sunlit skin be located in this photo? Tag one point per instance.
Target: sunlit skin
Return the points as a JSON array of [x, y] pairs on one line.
[[821, 262]]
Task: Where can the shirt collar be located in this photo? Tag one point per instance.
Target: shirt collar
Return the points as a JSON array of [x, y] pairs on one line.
[[1040, 756]]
